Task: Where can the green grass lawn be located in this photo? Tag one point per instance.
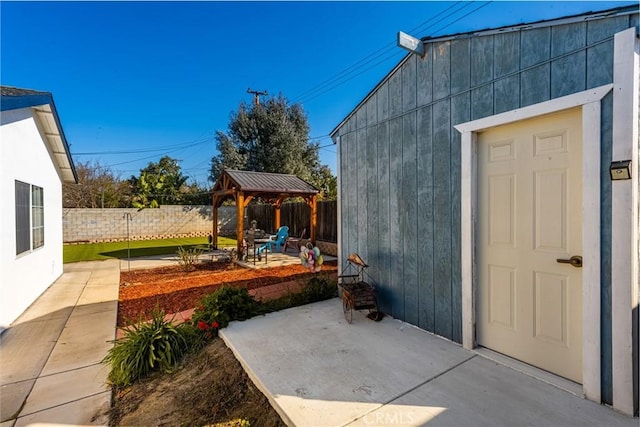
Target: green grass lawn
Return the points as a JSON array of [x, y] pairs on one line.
[[138, 248]]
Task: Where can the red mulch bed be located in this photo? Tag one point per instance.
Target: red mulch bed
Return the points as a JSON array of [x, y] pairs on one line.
[[174, 290]]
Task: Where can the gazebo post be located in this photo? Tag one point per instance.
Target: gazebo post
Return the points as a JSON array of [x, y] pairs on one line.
[[277, 205], [240, 219], [314, 219], [214, 235]]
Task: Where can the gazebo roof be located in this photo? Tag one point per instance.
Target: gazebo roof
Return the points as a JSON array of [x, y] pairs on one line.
[[263, 184], [244, 186]]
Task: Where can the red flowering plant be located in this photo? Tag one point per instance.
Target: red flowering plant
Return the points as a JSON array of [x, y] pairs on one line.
[[216, 310], [205, 323]]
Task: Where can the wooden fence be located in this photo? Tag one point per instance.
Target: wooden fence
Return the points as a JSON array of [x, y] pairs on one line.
[[297, 216]]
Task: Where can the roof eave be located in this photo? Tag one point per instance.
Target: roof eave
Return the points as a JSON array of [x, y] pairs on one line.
[[33, 101]]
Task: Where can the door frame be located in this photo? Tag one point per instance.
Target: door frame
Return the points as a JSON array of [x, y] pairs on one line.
[[589, 102]]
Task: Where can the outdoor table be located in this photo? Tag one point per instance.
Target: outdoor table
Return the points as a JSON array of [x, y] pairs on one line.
[[259, 242]]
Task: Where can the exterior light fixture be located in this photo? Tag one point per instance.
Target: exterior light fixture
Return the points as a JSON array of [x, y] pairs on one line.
[[411, 44], [620, 170]]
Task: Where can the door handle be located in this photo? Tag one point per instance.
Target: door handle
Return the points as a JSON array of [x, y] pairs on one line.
[[575, 261]]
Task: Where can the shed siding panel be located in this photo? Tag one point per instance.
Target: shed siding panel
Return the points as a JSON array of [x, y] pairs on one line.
[[425, 77], [344, 194], [535, 85], [409, 210], [460, 65], [482, 102], [567, 38], [409, 84], [600, 65], [600, 56], [384, 252], [441, 70], [442, 217], [361, 117], [395, 95], [361, 192], [426, 313], [395, 217], [481, 60], [460, 113], [352, 124], [372, 110], [383, 102], [506, 51], [535, 47], [568, 75], [372, 204], [507, 94], [353, 197]]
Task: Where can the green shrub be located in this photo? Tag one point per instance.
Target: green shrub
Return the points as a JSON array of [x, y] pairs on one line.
[[318, 289], [314, 290], [187, 257], [146, 347], [224, 305]]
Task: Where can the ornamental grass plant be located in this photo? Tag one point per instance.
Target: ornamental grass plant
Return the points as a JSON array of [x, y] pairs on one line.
[[156, 345], [188, 257]]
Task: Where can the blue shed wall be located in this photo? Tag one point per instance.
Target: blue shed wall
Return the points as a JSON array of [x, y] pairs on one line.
[[400, 158]]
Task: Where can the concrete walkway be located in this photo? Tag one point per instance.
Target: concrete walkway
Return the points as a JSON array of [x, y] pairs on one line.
[[317, 370], [50, 356]]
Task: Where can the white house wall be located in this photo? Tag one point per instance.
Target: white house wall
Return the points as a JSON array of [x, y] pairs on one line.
[[24, 157]]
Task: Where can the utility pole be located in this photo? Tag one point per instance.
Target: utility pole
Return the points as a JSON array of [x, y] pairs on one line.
[[256, 95]]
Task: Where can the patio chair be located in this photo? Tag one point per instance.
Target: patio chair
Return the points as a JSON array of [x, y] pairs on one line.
[[249, 247], [278, 240], [294, 241]]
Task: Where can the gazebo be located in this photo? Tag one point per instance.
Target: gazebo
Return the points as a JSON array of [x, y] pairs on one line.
[[274, 188]]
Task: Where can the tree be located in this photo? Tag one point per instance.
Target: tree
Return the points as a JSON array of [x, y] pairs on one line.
[[98, 187], [195, 194], [270, 137], [158, 184], [327, 183]]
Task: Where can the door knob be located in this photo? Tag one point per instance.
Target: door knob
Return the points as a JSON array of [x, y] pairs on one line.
[[575, 261]]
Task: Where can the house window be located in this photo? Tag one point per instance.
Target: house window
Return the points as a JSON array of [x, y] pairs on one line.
[[37, 217], [29, 217]]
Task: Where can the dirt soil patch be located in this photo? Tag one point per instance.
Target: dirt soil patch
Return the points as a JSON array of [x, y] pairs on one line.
[[174, 290], [207, 388]]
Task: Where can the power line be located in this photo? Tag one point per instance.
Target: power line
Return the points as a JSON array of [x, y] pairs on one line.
[[152, 157], [396, 54], [334, 81], [340, 78], [463, 16], [146, 150]]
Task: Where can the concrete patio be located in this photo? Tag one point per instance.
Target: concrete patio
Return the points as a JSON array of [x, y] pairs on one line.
[[273, 259], [50, 356], [317, 370]]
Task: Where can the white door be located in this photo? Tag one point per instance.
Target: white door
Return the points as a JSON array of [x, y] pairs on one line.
[[530, 215]]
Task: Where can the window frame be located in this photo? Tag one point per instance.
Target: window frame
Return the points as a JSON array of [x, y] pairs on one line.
[[29, 217]]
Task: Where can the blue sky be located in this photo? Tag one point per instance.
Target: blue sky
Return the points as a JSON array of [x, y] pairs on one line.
[[133, 81]]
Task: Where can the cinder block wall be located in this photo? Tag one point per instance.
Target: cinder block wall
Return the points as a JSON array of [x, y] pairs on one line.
[[107, 225]]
